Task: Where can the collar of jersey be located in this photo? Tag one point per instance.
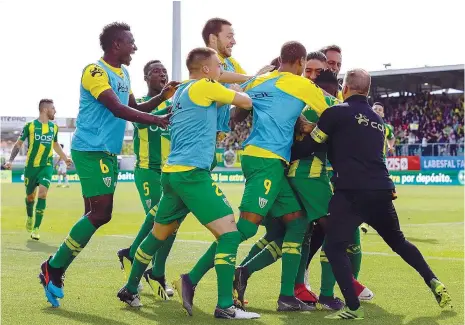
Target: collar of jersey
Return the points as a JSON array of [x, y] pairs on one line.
[[118, 71], [357, 98]]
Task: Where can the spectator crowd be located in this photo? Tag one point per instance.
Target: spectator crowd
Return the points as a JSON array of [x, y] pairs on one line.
[[419, 121]]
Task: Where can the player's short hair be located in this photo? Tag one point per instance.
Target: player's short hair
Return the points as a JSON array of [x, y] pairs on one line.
[[333, 47], [378, 103], [358, 80], [275, 63], [111, 33], [148, 64], [196, 56], [327, 77], [44, 101], [213, 26], [317, 55], [292, 52]]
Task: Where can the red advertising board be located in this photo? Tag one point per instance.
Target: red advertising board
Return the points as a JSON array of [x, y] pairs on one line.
[[403, 163]]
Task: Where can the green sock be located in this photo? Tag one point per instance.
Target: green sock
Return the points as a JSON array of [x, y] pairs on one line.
[[300, 278], [246, 229], [29, 208], [255, 250], [354, 251], [292, 245], [77, 239], [225, 265], [266, 257], [204, 264], [159, 259], [40, 207], [144, 254], [144, 230], [328, 281]]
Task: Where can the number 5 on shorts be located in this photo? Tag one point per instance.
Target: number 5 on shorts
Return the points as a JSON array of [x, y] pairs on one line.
[[267, 185], [104, 168], [146, 188]]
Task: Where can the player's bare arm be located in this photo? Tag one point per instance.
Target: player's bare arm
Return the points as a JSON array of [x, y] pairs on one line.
[[14, 153], [61, 154], [109, 99], [391, 144], [148, 106]]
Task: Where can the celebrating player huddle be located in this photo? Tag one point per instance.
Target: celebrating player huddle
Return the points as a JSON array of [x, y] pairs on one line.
[[296, 129]]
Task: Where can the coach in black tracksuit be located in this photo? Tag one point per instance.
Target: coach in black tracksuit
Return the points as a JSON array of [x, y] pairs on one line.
[[364, 192]]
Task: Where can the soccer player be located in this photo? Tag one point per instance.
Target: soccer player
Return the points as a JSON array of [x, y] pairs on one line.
[[389, 142], [41, 135], [363, 189], [316, 63], [61, 171], [218, 34], [104, 107], [187, 184], [151, 147]]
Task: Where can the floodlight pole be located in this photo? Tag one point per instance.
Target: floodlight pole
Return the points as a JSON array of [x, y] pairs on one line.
[[176, 44]]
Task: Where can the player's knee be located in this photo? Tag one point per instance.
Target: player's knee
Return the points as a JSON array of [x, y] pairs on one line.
[[101, 212], [31, 197], [246, 228], [298, 226], [42, 194]]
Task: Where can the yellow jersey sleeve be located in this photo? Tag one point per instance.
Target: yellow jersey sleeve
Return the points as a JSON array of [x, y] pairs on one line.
[[237, 66], [206, 91], [339, 96], [305, 90], [95, 80]]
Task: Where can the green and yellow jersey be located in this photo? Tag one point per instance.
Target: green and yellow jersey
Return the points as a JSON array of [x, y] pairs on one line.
[[151, 142], [388, 135], [316, 165], [40, 137]]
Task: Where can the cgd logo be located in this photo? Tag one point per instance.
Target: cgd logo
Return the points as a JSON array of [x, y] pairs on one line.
[[43, 138]]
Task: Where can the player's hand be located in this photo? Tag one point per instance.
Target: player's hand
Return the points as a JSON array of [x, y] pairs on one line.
[[162, 120], [8, 165], [265, 69], [236, 87], [170, 88], [68, 161], [304, 126]]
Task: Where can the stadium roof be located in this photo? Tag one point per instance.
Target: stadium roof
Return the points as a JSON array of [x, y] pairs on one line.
[[417, 79]]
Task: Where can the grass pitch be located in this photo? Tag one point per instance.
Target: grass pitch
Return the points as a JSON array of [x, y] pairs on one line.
[[431, 217]]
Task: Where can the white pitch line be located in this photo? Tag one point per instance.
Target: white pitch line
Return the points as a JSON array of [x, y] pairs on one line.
[[204, 242]]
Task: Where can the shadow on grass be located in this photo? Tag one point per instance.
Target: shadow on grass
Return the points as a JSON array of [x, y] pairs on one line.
[[82, 317], [36, 246], [432, 241], [172, 313]]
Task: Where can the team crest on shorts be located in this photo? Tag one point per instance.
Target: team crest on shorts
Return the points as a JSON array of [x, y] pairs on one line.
[[262, 202], [149, 203], [107, 181]]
